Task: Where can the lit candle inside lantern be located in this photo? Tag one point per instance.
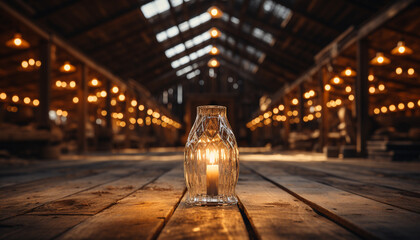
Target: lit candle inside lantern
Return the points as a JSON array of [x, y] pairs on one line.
[[212, 173]]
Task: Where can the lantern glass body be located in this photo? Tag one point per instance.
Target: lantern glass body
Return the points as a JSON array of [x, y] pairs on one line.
[[211, 164]]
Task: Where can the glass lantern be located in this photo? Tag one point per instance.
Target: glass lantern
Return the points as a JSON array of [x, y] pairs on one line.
[[211, 165]]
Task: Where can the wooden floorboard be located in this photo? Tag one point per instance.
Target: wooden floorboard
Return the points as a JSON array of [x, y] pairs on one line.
[[275, 213], [143, 196], [140, 215], [366, 217]]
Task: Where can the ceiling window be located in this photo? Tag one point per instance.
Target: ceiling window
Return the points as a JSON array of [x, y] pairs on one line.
[[184, 26], [151, 9]]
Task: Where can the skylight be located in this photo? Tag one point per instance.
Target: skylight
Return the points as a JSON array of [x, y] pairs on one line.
[[184, 26], [153, 8], [264, 36], [186, 59], [278, 10]]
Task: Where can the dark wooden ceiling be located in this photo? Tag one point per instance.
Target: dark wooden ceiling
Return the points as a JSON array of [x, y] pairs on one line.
[[117, 35]]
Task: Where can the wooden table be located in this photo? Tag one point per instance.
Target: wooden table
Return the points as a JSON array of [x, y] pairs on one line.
[[293, 196]]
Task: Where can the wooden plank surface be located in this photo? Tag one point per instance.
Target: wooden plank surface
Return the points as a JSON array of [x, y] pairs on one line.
[[211, 222], [141, 215], [366, 217], [275, 213]]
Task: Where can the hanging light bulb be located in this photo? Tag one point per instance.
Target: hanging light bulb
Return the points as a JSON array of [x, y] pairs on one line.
[[17, 42], [94, 82], [348, 72], [213, 63], [336, 80], [215, 12], [67, 67], [401, 49], [214, 32], [380, 59], [214, 51]]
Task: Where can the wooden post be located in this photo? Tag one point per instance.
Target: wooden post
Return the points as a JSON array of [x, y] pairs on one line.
[[83, 112], [362, 96], [286, 124], [323, 95], [45, 86], [301, 91], [108, 109]]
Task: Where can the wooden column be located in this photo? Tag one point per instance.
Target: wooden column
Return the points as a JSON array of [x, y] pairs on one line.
[[286, 124], [362, 96], [301, 91], [45, 86], [108, 107], [83, 108], [323, 95]]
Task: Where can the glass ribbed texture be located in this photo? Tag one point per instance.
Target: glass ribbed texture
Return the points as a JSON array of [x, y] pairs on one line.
[[211, 165]]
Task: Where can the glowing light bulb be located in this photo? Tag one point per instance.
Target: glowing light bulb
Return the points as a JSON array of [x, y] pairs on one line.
[[351, 97], [381, 87], [380, 59], [384, 109], [401, 49], [27, 100], [376, 111], [3, 96], [372, 89], [281, 107], [141, 107], [72, 84], [348, 89], [17, 41], [24, 64], [295, 101], [75, 100], [66, 67], [115, 89], [371, 77], [401, 106], [398, 70], [35, 102], [392, 107], [336, 80], [121, 97], [327, 87], [15, 98], [410, 71], [103, 93], [31, 61], [95, 82], [133, 103], [410, 105]]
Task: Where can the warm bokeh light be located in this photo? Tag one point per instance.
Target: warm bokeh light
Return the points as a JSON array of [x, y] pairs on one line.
[[376, 111], [372, 89], [24, 64], [31, 61], [401, 49], [381, 87], [214, 33], [401, 106], [380, 59], [410, 71], [3, 96], [149, 111], [141, 107], [351, 97], [392, 108], [295, 101], [215, 12], [384, 109], [336, 80], [27, 100], [58, 83], [35, 102], [214, 50], [113, 102], [121, 97], [94, 82], [281, 107], [327, 87], [104, 113], [371, 77], [15, 98], [348, 89], [75, 100], [398, 70], [103, 93], [133, 103], [72, 84], [115, 89], [213, 63], [410, 105]]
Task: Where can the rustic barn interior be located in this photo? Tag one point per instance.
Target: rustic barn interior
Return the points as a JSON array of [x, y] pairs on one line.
[[98, 99]]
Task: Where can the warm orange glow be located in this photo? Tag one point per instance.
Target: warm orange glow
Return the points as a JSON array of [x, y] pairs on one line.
[[59, 112], [63, 84], [103, 93], [215, 12], [327, 87], [15, 98], [392, 107], [338, 102], [72, 84], [376, 111], [371, 77], [113, 102], [401, 106], [149, 111], [384, 109], [214, 51], [115, 89], [24, 64], [58, 83], [214, 33], [213, 63], [104, 113], [348, 89], [372, 89], [67, 67], [75, 100], [381, 87], [38, 63], [401, 49], [410, 105], [35, 102], [281, 107], [27, 100], [133, 103], [351, 97], [348, 72], [121, 97], [141, 107], [17, 42], [64, 114], [31, 61], [295, 101], [3, 96], [336, 80], [94, 82], [398, 70], [380, 59], [410, 71], [140, 121], [275, 111]]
